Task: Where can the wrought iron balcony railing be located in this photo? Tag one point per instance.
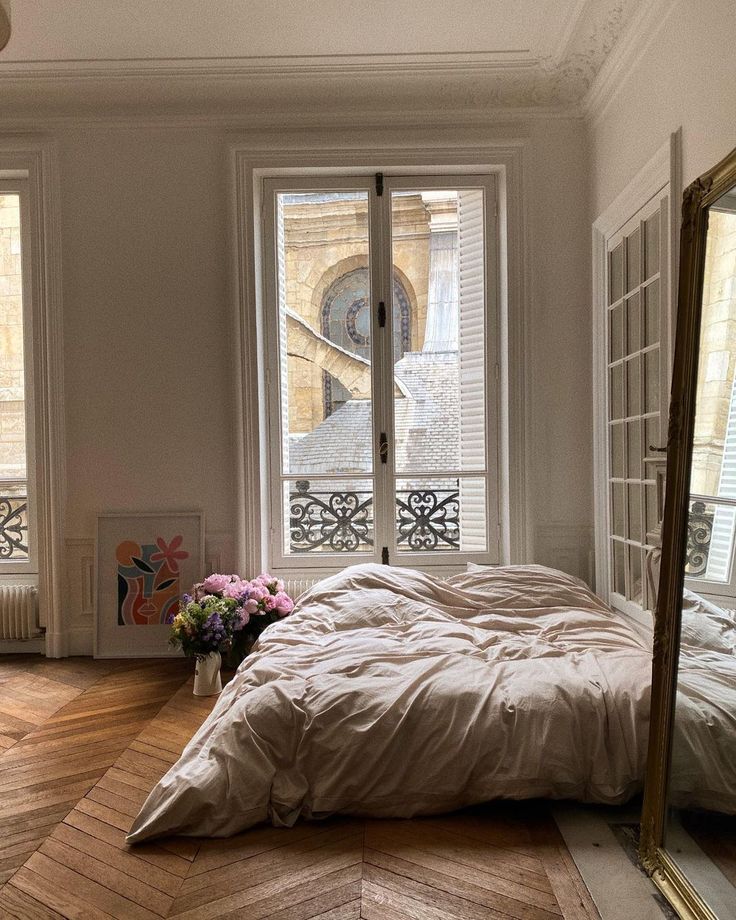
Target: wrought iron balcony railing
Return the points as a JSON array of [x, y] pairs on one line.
[[342, 521], [699, 533], [13, 519]]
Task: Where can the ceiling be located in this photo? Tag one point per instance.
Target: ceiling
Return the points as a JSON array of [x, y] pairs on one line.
[[202, 53]]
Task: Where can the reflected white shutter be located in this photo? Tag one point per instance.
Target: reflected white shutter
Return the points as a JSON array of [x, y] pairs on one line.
[[472, 363], [283, 362], [721, 541]]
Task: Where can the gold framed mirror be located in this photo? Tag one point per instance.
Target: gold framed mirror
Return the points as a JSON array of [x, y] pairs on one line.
[[688, 832]]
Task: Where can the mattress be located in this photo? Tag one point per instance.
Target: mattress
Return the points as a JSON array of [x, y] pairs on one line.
[[390, 692]]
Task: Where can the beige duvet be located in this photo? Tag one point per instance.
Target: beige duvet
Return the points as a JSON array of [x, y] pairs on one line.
[[393, 693]]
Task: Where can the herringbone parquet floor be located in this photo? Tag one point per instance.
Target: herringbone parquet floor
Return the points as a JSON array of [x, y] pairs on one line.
[[78, 757]]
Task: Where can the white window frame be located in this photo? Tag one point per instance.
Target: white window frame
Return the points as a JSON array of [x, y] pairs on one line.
[[254, 158], [12, 567], [30, 164], [383, 474]]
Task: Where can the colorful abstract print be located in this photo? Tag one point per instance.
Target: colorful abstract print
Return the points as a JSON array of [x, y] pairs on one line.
[[148, 581]]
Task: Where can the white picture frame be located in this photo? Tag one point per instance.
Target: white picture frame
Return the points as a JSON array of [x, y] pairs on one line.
[[145, 562]]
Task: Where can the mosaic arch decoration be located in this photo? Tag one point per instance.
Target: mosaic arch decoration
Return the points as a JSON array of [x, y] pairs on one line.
[[346, 321]]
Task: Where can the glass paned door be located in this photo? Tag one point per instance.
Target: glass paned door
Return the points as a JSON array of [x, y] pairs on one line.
[[324, 297], [635, 386], [381, 385], [440, 363]]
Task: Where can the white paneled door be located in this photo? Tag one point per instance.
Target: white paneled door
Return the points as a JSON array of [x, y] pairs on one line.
[[634, 366]]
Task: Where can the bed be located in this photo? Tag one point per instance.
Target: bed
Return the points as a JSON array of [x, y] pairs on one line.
[[390, 692], [703, 772]]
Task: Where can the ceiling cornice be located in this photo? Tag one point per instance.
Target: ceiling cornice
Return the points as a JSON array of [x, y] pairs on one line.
[[253, 89], [640, 31]]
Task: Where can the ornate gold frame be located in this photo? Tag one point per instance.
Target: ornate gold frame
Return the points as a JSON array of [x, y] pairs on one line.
[[696, 200]]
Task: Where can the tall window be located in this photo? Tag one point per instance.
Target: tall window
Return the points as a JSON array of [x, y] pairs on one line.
[[711, 546], [16, 474], [381, 356]]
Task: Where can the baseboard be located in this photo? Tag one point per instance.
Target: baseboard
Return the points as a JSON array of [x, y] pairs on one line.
[[23, 646], [79, 640]]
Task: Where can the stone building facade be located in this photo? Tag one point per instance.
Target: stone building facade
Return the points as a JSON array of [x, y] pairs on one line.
[[12, 406], [325, 252], [717, 367]]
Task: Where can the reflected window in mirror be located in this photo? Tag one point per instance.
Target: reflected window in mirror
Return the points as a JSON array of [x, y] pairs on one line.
[[701, 827]]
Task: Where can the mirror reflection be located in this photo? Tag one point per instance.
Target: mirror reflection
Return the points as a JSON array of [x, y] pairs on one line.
[[701, 827]]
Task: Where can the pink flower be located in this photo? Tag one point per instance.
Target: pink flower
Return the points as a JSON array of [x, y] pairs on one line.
[[243, 616], [235, 589], [257, 592], [215, 584], [251, 606], [284, 604], [269, 602]]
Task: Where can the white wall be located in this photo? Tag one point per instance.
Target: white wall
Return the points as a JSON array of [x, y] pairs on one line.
[[685, 77], [149, 336]]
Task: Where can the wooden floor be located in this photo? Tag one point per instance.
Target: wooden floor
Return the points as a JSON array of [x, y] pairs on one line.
[[82, 743]]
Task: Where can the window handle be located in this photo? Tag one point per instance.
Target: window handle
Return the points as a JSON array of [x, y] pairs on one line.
[[383, 447], [657, 450]]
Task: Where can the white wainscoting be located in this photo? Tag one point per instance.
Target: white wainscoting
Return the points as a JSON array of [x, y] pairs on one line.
[[568, 547], [80, 580]]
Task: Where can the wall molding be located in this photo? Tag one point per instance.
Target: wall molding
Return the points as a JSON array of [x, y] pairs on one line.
[[564, 58], [37, 157], [639, 33], [568, 547]]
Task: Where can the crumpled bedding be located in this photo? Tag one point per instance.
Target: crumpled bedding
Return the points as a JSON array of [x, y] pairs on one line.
[[391, 692], [703, 764]]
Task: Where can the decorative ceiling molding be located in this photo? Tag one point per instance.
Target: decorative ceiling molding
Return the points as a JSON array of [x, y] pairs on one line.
[[360, 85], [641, 29]]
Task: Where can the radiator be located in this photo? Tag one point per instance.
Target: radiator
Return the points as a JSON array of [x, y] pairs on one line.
[[18, 605], [297, 586]]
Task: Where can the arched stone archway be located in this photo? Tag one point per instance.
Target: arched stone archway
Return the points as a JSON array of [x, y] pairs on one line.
[[345, 319]]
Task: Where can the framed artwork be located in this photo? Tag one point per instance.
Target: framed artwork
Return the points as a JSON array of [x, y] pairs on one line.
[[145, 562]]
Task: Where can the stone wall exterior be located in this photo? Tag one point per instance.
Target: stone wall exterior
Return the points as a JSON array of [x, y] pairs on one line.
[[321, 244], [717, 362], [12, 406]]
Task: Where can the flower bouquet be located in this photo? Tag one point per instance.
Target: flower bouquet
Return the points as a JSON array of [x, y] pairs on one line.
[[226, 614]]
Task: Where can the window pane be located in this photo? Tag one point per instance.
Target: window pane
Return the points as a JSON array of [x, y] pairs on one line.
[[651, 381], [324, 308], [616, 396], [651, 231], [618, 567], [634, 524], [616, 433], [633, 387], [618, 518], [439, 350], [441, 514], [13, 485], [328, 516], [616, 332], [633, 260], [635, 568], [651, 314], [633, 324], [616, 274]]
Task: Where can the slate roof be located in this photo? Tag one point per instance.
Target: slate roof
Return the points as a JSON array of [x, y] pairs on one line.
[[426, 421]]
